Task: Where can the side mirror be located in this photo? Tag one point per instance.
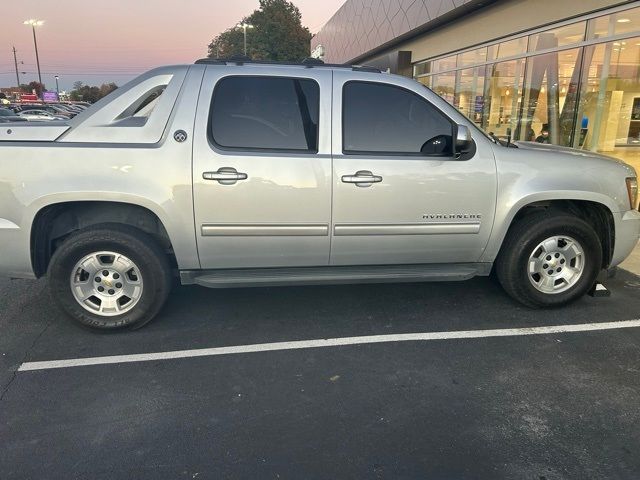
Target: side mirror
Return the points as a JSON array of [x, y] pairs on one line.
[[464, 142]]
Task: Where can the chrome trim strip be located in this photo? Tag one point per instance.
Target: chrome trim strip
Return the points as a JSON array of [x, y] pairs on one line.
[[8, 225], [407, 229], [262, 230]]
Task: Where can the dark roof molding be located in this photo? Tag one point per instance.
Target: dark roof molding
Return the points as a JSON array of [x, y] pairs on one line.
[[361, 28]]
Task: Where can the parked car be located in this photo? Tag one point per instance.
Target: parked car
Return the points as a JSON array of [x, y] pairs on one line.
[[62, 110], [50, 108], [14, 107], [241, 174], [71, 108], [7, 116], [40, 115]]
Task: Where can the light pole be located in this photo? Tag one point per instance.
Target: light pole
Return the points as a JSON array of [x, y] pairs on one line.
[[57, 87], [35, 23], [244, 27], [15, 61]]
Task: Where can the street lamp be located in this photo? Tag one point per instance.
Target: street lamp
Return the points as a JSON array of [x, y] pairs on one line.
[[244, 27], [57, 87], [35, 23]]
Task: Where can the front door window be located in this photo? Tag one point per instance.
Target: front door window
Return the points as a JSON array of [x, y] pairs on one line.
[[383, 119]]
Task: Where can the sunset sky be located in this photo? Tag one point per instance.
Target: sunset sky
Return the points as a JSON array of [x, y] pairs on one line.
[[97, 42]]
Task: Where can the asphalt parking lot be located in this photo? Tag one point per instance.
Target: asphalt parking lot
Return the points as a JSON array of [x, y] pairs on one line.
[[543, 407]]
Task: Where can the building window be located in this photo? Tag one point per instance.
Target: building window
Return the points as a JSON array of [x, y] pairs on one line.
[[502, 97], [550, 95], [427, 81], [471, 89], [472, 57], [558, 37], [619, 23], [445, 86], [580, 95], [510, 48], [609, 108], [444, 64], [423, 68]]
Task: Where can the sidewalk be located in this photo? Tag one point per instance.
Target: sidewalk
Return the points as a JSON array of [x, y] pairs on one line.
[[632, 264]]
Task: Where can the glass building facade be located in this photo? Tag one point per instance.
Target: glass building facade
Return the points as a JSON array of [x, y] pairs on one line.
[[577, 81]]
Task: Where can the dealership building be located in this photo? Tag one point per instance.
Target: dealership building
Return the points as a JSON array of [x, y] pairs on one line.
[[570, 67]]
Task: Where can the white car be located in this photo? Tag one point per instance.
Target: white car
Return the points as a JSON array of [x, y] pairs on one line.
[[39, 115]]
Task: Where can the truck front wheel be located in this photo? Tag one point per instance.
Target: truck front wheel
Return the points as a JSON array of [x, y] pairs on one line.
[[110, 276], [549, 259]]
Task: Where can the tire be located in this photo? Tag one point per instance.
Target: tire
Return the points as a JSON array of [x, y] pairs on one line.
[[134, 289], [548, 287]]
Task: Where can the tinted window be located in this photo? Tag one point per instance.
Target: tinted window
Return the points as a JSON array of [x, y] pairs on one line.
[[385, 119], [265, 113]]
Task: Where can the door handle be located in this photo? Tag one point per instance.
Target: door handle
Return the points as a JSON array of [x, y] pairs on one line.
[[362, 178], [225, 176]]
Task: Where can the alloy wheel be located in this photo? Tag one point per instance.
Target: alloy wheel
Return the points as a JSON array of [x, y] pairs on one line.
[[106, 283]]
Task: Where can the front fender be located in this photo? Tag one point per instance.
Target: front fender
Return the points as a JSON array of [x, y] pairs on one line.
[[527, 176], [505, 214]]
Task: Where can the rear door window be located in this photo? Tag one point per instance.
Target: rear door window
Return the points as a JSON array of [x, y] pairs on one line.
[[265, 113]]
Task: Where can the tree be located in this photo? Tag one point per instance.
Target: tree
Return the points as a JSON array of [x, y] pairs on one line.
[[77, 85], [107, 88], [38, 87], [89, 94], [278, 35]]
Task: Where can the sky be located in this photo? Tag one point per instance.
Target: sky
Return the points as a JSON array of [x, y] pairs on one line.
[[115, 40]]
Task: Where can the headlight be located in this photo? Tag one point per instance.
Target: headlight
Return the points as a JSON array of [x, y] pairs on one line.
[[632, 190]]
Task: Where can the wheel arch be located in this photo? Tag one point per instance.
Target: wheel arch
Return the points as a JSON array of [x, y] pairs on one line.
[[54, 222], [597, 212]]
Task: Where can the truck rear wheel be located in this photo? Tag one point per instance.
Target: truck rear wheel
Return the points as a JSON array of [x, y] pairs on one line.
[[109, 277], [549, 259]]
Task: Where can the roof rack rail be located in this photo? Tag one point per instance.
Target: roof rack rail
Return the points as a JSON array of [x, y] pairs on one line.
[[238, 57], [312, 61], [307, 62], [365, 68]]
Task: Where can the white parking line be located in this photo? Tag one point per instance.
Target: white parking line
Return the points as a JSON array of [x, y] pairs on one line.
[[327, 342]]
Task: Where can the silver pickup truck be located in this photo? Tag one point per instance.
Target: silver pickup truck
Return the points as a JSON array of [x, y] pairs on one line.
[[238, 173]]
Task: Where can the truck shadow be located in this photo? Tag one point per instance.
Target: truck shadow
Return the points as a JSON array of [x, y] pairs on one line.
[[197, 317], [318, 311]]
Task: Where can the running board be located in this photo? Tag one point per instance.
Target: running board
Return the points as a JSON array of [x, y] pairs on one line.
[[269, 277]]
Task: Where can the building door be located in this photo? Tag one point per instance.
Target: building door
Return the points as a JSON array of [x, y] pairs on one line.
[[400, 195]]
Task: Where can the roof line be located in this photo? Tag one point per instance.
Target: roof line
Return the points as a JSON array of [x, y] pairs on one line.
[[307, 63]]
